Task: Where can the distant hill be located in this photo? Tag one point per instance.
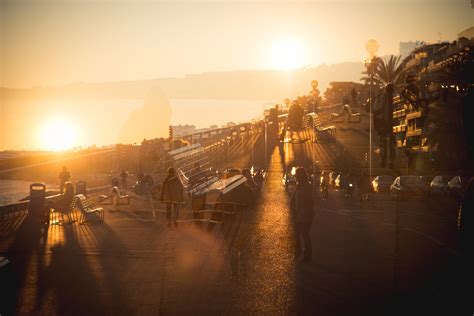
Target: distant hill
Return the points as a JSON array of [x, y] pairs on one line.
[[252, 84]]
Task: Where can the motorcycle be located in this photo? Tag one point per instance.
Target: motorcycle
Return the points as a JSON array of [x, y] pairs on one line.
[[324, 191]]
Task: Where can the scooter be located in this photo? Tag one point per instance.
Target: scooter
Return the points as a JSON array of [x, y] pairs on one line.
[[349, 190]]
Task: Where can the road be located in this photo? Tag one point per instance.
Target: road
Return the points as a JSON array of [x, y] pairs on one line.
[[382, 259]]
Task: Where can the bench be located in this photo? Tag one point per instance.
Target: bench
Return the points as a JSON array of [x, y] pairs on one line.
[[321, 131], [68, 210], [349, 115], [87, 208]]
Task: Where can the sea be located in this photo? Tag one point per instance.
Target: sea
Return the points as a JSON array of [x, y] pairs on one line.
[[12, 191], [24, 121]]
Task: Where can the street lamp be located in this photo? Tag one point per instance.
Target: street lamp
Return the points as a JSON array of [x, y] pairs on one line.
[[371, 46], [267, 115]]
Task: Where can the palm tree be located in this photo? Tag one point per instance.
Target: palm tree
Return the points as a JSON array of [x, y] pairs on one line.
[[387, 71]]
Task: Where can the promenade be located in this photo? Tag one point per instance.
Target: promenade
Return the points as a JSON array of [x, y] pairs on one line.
[[382, 259]]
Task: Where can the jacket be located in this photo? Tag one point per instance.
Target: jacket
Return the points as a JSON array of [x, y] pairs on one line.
[[172, 190], [302, 203]]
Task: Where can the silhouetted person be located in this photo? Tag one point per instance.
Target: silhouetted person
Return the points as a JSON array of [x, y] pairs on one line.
[[250, 182], [258, 177], [302, 207], [295, 118], [364, 187], [172, 195], [354, 97], [64, 176], [123, 176]]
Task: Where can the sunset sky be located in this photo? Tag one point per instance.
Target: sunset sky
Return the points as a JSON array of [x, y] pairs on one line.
[[66, 41], [59, 42]]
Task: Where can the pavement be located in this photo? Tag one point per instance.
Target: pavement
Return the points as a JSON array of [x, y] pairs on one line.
[[387, 258]]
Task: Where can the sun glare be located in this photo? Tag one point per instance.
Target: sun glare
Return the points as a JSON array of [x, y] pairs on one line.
[[58, 134], [287, 54]]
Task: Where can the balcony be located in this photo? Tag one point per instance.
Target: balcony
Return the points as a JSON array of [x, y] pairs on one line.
[[399, 128], [414, 115], [416, 132], [399, 113]]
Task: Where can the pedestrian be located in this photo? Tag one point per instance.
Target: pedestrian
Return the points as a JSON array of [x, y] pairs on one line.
[[64, 176], [364, 188], [258, 177], [354, 98], [123, 176], [172, 195], [249, 179], [302, 208]]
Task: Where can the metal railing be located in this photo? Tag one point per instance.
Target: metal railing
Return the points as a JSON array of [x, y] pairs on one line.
[[21, 208]]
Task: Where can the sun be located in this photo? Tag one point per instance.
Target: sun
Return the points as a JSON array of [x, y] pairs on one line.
[[58, 134], [287, 53]]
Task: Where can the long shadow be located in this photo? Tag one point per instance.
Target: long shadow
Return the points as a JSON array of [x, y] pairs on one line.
[[64, 279], [25, 254]]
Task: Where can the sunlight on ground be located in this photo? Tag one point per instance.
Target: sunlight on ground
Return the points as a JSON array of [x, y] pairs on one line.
[[58, 134]]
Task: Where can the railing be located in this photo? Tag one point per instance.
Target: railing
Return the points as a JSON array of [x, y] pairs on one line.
[[20, 208]]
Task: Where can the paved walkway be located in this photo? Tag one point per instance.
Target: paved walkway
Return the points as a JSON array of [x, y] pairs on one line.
[[130, 265]]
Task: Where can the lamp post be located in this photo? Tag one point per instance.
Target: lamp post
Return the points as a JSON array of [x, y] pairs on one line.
[[314, 93], [371, 46], [266, 113]]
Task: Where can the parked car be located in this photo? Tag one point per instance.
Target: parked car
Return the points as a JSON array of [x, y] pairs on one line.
[[457, 185], [426, 182], [382, 183], [439, 185], [404, 187]]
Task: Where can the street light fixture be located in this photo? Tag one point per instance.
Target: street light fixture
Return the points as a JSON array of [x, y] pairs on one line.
[[372, 47]]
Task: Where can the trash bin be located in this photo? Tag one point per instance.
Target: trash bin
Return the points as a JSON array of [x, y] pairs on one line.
[[37, 205], [81, 187], [115, 182]]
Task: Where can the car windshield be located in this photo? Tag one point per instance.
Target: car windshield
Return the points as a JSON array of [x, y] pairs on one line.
[[410, 181]]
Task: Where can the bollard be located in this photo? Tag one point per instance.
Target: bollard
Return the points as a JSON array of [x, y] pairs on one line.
[[81, 188], [37, 205]]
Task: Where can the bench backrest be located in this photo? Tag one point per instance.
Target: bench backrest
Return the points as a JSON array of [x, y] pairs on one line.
[[83, 201], [312, 119]]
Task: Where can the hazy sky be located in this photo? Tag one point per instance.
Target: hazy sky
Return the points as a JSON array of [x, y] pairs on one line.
[[65, 41]]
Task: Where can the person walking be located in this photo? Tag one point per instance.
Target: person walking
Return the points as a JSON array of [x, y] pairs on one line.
[[123, 176], [172, 195], [364, 187], [302, 208], [354, 98], [64, 177]]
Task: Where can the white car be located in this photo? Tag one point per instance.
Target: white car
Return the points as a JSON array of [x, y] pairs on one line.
[[406, 187], [439, 185]]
